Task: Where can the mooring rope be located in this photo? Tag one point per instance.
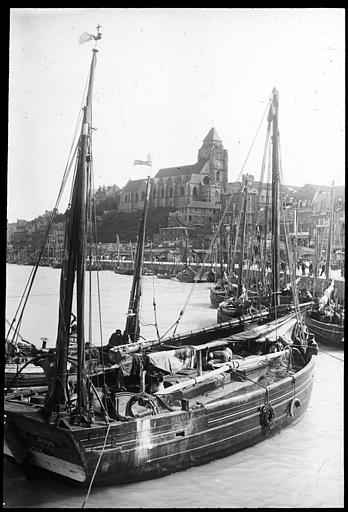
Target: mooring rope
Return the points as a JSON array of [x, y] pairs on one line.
[[96, 467]]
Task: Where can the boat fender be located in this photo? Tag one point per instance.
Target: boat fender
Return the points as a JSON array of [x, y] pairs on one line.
[[267, 416], [144, 400], [295, 402]]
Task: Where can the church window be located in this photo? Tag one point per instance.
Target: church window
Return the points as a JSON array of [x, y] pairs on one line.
[[154, 193], [162, 192], [182, 191], [143, 196], [194, 191], [136, 196], [171, 192], [206, 180], [126, 199], [217, 175]]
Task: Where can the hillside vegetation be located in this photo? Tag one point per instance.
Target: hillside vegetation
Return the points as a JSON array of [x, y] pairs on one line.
[[126, 225]]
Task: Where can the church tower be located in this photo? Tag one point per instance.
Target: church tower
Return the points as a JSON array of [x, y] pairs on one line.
[[213, 149]]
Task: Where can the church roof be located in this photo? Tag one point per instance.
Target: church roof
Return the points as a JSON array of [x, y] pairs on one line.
[[212, 136], [133, 185], [182, 170]]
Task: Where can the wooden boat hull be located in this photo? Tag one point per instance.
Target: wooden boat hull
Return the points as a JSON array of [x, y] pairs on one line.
[[325, 333], [124, 271], [185, 278], [155, 445], [30, 376], [165, 276], [216, 297]]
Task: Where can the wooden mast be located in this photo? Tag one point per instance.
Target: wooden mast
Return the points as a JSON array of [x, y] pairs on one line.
[[132, 324], [221, 252], [329, 243], [273, 114], [81, 226], [242, 239], [74, 261]]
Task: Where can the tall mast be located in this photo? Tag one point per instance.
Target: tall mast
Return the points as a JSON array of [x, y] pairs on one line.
[[242, 238], [74, 262], [273, 114], [132, 324], [221, 251], [328, 254], [81, 223]]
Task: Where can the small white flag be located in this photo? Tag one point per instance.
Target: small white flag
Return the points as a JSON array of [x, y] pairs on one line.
[[143, 162], [85, 37]]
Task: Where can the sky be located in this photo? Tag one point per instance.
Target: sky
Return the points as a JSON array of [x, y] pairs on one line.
[[164, 77]]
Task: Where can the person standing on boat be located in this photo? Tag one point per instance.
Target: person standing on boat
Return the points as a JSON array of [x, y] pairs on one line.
[[310, 268], [322, 269], [117, 339]]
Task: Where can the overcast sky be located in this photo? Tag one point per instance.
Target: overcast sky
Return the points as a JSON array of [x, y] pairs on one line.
[[164, 77]]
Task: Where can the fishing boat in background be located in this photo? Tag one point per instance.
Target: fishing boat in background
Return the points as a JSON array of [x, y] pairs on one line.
[[263, 289], [227, 289], [19, 370], [326, 317], [173, 402], [186, 274], [166, 275], [120, 267]]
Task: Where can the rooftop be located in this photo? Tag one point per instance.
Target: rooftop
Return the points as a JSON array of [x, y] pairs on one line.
[[182, 170]]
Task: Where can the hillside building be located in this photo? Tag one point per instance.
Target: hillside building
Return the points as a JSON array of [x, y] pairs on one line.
[[178, 186]]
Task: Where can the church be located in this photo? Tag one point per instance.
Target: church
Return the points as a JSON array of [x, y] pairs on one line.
[[178, 187]]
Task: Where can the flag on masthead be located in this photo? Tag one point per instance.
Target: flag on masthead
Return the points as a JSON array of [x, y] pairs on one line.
[[144, 162], [87, 37]]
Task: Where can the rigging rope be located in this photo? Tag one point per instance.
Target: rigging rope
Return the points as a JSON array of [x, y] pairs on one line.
[[222, 217], [93, 219], [292, 265], [155, 308], [254, 139], [32, 275]]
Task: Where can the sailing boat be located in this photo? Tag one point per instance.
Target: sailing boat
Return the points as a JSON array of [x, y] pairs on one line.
[[119, 267], [326, 318], [187, 274], [19, 369], [269, 296], [182, 401], [226, 285]]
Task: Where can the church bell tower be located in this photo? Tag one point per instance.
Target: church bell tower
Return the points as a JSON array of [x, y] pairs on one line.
[[213, 149]]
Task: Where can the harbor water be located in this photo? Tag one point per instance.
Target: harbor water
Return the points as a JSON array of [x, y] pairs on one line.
[[300, 467]]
